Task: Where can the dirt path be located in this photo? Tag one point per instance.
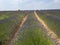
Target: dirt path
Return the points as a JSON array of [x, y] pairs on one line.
[[50, 33], [15, 35]]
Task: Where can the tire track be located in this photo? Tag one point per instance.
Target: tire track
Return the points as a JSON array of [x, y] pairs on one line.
[[14, 36], [50, 33]]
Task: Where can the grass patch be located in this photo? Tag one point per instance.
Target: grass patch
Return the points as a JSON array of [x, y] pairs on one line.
[[33, 36], [3, 17], [7, 28], [54, 14]]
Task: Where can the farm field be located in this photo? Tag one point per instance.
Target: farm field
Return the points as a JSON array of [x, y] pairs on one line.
[[55, 13], [52, 21], [32, 33], [23, 28], [8, 22]]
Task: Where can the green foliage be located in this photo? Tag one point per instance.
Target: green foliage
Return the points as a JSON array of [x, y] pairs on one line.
[[34, 36], [3, 17], [7, 28], [55, 14]]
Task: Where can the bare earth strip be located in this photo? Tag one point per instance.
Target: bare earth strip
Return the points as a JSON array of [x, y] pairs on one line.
[[15, 35], [50, 33]]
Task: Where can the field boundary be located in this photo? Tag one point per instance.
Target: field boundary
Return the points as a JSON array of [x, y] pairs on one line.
[[50, 33], [14, 35]]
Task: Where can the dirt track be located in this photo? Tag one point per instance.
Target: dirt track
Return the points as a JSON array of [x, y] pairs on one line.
[[50, 33], [15, 35]]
